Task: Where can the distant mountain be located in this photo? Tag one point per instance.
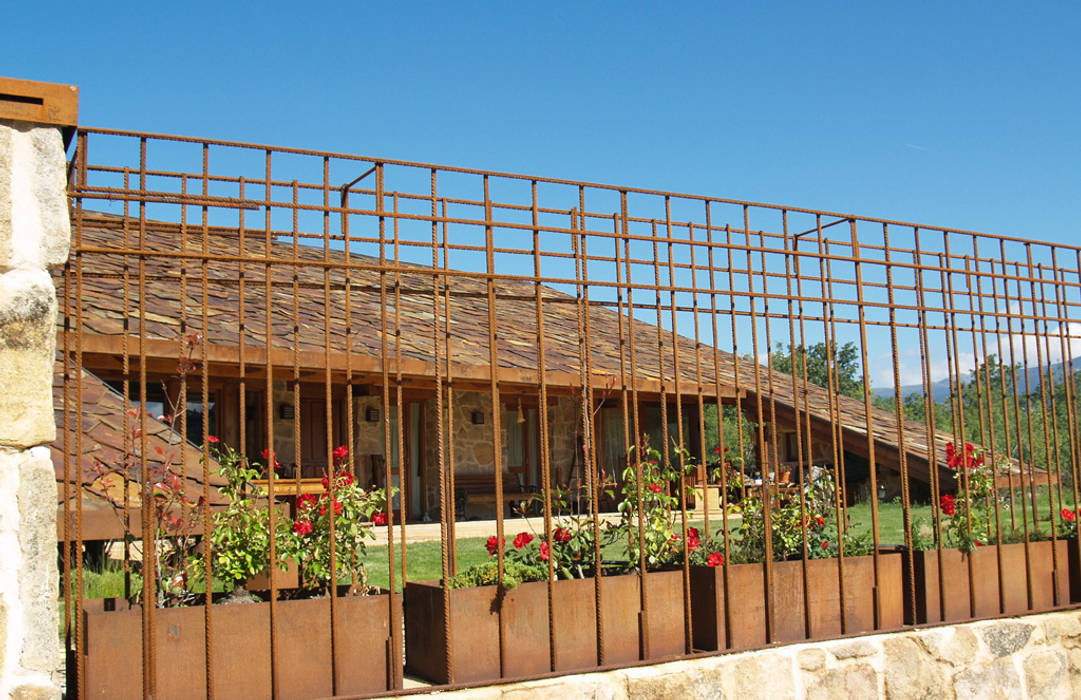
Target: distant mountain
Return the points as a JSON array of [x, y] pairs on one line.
[[941, 389]]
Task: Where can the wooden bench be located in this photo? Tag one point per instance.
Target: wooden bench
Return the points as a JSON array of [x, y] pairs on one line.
[[476, 489]]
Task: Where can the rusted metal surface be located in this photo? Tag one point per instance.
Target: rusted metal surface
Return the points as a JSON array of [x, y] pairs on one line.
[[42, 103], [241, 648], [417, 287]]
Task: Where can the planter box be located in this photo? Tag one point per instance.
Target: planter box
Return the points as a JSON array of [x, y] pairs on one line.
[[366, 661], [474, 627], [995, 589], [290, 578], [796, 617]]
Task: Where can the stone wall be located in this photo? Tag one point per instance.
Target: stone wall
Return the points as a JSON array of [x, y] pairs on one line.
[[34, 235], [1036, 657]]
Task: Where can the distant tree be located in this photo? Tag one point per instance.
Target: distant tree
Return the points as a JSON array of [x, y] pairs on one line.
[[843, 362]]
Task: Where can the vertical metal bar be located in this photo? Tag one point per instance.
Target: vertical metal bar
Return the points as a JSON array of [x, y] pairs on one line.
[[149, 540], [643, 598], [405, 478], [797, 351], [829, 330], [688, 629], [452, 504], [721, 447], [929, 415], [763, 453], [986, 392], [1002, 393], [1017, 405], [493, 374], [392, 622], [74, 424], [898, 407], [271, 460], [445, 517], [208, 594], [861, 310], [332, 469], [542, 403]]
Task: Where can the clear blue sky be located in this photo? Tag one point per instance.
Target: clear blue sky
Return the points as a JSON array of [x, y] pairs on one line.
[[966, 116]]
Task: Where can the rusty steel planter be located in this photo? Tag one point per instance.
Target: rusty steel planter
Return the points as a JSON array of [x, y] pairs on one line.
[[112, 649], [474, 627], [796, 617], [951, 601], [288, 579]]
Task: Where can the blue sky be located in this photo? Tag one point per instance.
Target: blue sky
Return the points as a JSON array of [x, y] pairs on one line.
[[957, 114], [963, 115]]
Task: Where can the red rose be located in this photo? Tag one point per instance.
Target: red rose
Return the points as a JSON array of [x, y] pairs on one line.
[[692, 532], [820, 521], [949, 449], [716, 450], [978, 543], [212, 439], [326, 482], [1068, 514], [561, 535], [379, 518], [715, 559], [492, 545], [522, 540], [270, 456], [948, 504], [825, 544], [544, 551], [655, 488], [341, 452], [346, 479], [337, 507], [302, 527]]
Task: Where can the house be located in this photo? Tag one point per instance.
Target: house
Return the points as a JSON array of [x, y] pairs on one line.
[[305, 346]]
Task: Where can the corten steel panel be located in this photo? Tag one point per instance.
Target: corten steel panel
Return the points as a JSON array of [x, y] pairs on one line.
[[241, 643], [475, 626], [953, 597], [575, 624], [43, 103], [748, 601]]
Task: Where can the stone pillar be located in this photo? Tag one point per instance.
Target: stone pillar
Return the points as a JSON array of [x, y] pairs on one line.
[[34, 235]]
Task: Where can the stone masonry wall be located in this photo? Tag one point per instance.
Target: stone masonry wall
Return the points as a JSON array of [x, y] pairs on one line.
[[1036, 657], [34, 235]]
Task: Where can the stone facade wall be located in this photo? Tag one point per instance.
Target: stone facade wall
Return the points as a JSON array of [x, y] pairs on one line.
[[473, 450], [1036, 657], [34, 235]]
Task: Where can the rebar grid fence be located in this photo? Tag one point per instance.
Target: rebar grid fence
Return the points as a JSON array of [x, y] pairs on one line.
[[740, 424]]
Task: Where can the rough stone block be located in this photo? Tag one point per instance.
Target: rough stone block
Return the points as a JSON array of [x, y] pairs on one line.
[[998, 679], [34, 691], [1046, 674], [911, 673], [35, 229], [677, 681], [854, 650], [760, 675], [1004, 637], [811, 659], [1064, 630], [956, 646], [856, 680], [27, 347], [38, 588]]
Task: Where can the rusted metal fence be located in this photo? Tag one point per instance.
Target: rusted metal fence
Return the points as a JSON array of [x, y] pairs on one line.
[[740, 423]]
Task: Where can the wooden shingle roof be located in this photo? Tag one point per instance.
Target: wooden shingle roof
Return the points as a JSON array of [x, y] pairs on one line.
[[329, 304]]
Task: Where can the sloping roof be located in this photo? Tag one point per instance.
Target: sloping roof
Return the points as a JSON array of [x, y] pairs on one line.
[[236, 263], [107, 449]]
